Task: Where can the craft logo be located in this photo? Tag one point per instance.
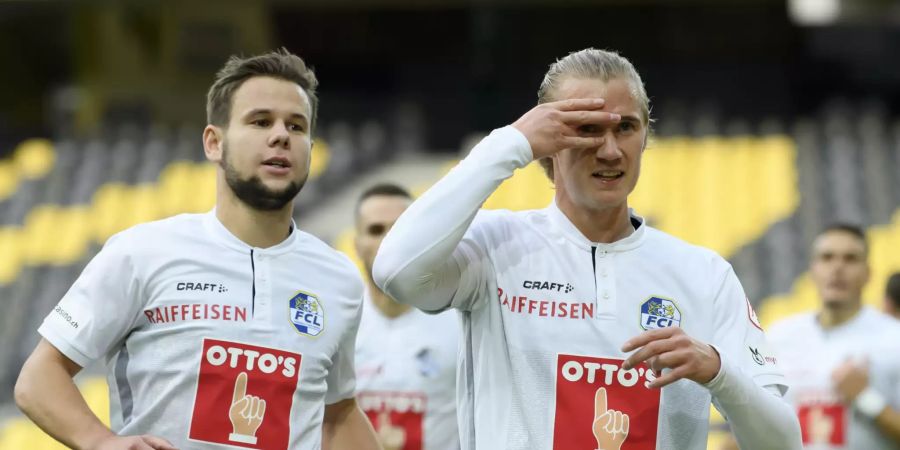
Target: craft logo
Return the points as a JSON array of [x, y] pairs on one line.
[[244, 395], [599, 405], [659, 312], [307, 314], [396, 416]]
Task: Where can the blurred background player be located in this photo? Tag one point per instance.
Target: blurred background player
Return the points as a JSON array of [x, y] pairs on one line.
[[569, 311], [892, 296], [843, 360], [405, 359], [213, 325]]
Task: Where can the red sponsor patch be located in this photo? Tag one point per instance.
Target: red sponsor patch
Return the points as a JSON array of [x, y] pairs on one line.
[[751, 314], [823, 423], [600, 405], [244, 395], [396, 416]]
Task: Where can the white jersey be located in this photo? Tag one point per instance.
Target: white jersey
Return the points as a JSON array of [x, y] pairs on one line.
[[809, 355], [545, 325], [211, 342], [545, 312], [406, 375]]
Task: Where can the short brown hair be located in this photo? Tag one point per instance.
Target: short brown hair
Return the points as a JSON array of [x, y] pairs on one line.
[[280, 64], [592, 63]]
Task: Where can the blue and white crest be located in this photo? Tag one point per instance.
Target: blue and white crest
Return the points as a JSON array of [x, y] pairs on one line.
[[659, 312], [307, 314]]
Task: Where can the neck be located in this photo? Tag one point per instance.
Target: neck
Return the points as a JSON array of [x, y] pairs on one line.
[[390, 308], [835, 315], [261, 229], [601, 225]]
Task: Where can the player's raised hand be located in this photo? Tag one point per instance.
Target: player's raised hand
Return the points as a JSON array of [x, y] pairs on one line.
[[671, 348], [145, 442], [610, 427], [551, 127]]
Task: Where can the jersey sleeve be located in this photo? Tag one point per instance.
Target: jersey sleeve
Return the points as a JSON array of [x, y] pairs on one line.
[[341, 379], [100, 308], [738, 334], [475, 266]]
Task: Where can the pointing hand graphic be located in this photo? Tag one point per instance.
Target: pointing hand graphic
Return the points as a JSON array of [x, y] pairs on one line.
[[391, 437], [610, 427], [246, 413]]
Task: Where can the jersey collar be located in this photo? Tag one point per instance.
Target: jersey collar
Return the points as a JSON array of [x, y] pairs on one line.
[[221, 234], [564, 226]]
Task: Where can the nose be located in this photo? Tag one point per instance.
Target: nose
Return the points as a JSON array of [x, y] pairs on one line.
[[609, 149], [279, 136]]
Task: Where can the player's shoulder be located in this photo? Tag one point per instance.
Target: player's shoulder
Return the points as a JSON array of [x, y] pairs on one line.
[[328, 259], [505, 221], [687, 254], [884, 324], [797, 324], [154, 235]]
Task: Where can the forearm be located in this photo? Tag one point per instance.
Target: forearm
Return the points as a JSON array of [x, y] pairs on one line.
[[347, 429], [888, 421], [46, 393], [416, 255], [759, 418]]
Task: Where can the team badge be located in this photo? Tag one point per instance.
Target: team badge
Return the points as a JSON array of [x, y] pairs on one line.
[[659, 312], [307, 314]]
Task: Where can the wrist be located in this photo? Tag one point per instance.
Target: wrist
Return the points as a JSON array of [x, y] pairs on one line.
[[93, 439], [869, 402]]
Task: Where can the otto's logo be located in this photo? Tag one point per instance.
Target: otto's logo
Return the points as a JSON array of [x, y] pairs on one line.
[[396, 416], [245, 394], [549, 286], [659, 312], [204, 287], [307, 314], [600, 405]]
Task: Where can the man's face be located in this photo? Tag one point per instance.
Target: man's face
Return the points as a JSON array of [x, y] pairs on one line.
[[839, 268], [375, 217], [265, 150], [602, 177]]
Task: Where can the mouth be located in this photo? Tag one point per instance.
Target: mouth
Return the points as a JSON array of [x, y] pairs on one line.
[[277, 161], [608, 175]]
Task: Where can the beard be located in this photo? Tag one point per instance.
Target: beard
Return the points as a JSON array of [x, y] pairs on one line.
[[253, 192]]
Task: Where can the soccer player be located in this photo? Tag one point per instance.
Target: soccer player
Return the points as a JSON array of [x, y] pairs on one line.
[[227, 328], [574, 316], [892, 296], [405, 359], [842, 361]]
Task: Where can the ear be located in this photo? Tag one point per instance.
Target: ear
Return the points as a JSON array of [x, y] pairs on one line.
[[213, 137]]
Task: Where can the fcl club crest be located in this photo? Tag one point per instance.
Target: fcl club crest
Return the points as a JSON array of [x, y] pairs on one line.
[[307, 314], [659, 312]]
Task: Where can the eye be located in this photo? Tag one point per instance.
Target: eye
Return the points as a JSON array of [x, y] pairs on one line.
[[626, 127], [376, 229], [297, 127], [588, 129], [261, 122]]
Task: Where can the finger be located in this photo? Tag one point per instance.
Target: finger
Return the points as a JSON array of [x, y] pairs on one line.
[[648, 337], [652, 349], [240, 388], [581, 141], [617, 422], [251, 409], [625, 424], [600, 402], [669, 377], [589, 117], [575, 104], [262, 410], [384, 419], [239, 407], [158, 443]]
